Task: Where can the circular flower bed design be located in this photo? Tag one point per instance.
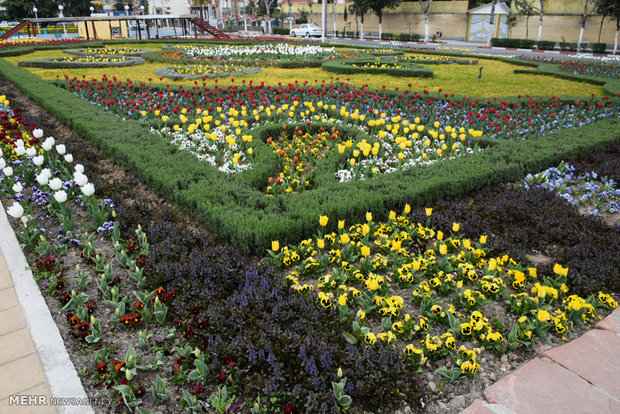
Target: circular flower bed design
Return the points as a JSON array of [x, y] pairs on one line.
[[177, 72], [86, 61], [107, 51]]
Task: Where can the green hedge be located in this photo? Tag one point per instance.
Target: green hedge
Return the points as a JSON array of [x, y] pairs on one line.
[[171, 73], [235, 207], [345, 67]]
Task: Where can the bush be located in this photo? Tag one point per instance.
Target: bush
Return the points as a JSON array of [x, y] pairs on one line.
[[568, 46], [599, 47], [387, 36], [281, 30], [526, 43], [546, 45]]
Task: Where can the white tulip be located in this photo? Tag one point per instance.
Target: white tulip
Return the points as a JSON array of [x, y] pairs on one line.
[[20, 150], [37, 133], [17, 187], [1, 153], [20, 143], [88, 189], [48, 143], [79, 168], [60, 196], [55, 183], [80, 179], [31, 151], [69, 158], [2, 163], [16, 210], [8, 171], [44, 176], [61, 149], [38, 160]]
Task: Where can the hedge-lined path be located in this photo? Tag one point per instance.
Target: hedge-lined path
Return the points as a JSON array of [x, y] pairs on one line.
[[582, 376], [36, 373]]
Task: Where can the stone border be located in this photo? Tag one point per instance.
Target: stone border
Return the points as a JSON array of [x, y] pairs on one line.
[[62, 377]]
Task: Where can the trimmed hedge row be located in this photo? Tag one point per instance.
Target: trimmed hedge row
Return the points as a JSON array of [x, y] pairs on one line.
[[55, 63], [346, 67], [236, 209]]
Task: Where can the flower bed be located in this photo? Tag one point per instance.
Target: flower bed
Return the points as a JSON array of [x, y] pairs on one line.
[[108, 51], [83, 61], [375, 67], [177, 72], [587, 190], [397, 282]]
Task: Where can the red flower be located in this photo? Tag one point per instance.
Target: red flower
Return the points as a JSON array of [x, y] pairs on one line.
[[102, 368]]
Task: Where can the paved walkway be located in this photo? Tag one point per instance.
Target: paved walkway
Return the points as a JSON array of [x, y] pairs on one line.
[[580, 377], [36, 373]]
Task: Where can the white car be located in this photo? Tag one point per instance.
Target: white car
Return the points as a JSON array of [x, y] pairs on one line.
[[307, 30]]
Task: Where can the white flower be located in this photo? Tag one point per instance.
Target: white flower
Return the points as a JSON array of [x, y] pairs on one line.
[[48, 143], [79, 168], [1, 153], [8, 171], [60, 196], [16, 210], [44, 176], [61, 149], [80, 179], [55, 183], [20, 143], [38, 160], [31, 151], [88, 189], [20, 150], [37, 133], [17, 187], [2, 163], [69, 157]]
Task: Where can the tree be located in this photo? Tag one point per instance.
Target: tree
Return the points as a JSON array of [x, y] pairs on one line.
[[604, 8], [359, 8], [584, 18], [426, 4], [540, 24], [310, 3], [492, 23], [527, 9], [378, 6], [19, 9]]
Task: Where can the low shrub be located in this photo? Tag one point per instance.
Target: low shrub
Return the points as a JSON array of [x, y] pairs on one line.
[[387, 36], [281, 30], [599, 47], [546, 44]]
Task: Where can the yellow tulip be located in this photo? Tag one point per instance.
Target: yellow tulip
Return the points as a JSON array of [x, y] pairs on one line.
[[429, 211], [275, 245], [323, 220]]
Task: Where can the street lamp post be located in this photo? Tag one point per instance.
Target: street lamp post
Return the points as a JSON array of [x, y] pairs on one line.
[[92, 10], [61, 15], [36, 16]]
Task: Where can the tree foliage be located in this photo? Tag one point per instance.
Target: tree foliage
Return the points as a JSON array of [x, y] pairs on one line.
[[378, 6]]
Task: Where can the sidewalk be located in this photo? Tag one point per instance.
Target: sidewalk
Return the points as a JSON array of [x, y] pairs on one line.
[[36, 373], [580, 377]]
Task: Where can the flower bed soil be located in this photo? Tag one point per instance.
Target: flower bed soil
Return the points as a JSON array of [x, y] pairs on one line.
[[524, 224]]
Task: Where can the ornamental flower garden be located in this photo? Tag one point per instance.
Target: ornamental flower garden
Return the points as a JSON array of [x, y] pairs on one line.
[[348, 300]]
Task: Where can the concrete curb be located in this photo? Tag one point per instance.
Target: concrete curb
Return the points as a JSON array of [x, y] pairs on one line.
[[62, 377]]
